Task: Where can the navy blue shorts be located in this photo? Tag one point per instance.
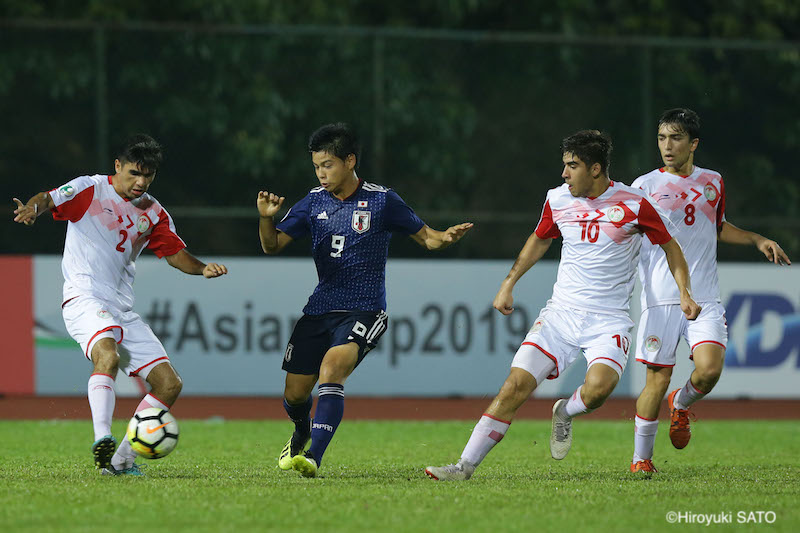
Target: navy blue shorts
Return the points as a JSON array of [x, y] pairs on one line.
[[314, 335]]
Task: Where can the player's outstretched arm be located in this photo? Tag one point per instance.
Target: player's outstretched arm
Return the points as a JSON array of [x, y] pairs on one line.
[[272, 240], [186, 262], [432, 239], [771, 249], [27, 213], [534, 249], [680, 271]]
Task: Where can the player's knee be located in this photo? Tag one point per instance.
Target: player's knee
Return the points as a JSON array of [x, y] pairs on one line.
[[175, 386], [594, 393], [105, 359], [513, 392], [708, 376]]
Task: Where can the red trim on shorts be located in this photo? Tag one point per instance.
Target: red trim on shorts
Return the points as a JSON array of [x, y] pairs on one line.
[[645, 361], [67, 301], [706, 342], [101, 374], [156, 397], [644, 418], [498, 419], [609, 359], [136, 372], [545, 352], [109, 328]]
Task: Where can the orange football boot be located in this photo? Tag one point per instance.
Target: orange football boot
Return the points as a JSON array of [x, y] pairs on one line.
[[679, 430], [643, 466]]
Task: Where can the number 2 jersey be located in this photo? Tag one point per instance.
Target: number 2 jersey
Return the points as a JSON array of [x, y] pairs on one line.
[[105, 235], [696, 206], [601, 241], [350, 244]]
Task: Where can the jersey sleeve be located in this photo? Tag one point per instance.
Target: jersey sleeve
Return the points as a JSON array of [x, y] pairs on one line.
[[546, 228], [164, 240], [73, 199], [654, 222], [295, 223], [399, 216]]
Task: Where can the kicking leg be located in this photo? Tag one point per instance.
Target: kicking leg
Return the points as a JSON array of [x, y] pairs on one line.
[[337, 365], [530, 366]]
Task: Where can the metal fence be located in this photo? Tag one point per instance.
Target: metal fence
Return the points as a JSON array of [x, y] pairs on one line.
[[464, 125]]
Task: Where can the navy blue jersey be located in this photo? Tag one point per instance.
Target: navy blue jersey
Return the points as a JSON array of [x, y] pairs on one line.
[[350, 244]]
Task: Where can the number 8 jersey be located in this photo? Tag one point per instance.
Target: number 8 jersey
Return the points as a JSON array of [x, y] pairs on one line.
[[350, 244], [696, 205], [601, 242], [105, 235]]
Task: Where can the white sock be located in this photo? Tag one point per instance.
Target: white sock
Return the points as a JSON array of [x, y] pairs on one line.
[[101, 402], [687, 396], [644, 438], [124, 457], [575, 406], [488, 432]]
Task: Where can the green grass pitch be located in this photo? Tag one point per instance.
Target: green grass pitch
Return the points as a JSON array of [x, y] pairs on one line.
[[224, 477]]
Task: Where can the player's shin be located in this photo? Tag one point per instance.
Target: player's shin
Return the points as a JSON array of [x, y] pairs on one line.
[[688, 395], [486, 434], [330, 409], [300, 414], [101, 403]]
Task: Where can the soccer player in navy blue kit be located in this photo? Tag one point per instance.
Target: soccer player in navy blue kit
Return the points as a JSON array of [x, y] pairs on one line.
[[350, 222]]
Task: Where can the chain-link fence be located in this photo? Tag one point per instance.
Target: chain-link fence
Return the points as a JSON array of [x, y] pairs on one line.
[[464, 125]]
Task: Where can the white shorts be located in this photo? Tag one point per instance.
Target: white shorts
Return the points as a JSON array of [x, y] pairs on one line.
[[88, 320], [661, 328], [561, 333]]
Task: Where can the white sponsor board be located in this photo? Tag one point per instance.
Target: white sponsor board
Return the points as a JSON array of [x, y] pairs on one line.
[[228, 336]]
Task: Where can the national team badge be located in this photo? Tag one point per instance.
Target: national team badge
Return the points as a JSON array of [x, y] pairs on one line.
[[67, 190], [615, 214], [652, 344], [538, 325], [361, 220], [710, 192], [362, 203], [102, 313], [143, 224]]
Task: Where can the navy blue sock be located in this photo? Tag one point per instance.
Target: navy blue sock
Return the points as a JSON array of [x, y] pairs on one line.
[[330, 408], [300, 414]]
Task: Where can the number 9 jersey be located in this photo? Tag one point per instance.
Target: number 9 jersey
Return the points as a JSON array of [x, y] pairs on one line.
[[350, 244]]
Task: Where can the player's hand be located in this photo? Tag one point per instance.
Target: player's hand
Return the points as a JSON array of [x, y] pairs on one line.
[[454, 233], [504, 301], [25, 214], [773, 252], [690, 308], [268, 203], [213, 270]]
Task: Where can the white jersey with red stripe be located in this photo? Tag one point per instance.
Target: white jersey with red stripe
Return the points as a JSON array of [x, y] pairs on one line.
[[105, 235], [695, 204], [601, 242]]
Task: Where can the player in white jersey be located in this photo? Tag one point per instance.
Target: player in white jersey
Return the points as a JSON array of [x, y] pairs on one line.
[[111, 219], [601, 223], [694, 199]]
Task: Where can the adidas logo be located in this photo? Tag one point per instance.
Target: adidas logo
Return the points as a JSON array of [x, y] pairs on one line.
[[323, 216]]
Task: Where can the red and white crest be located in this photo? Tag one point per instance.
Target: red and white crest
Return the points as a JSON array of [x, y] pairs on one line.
[[361, 220]]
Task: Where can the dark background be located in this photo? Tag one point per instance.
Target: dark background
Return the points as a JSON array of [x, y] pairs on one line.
[[461, 104]]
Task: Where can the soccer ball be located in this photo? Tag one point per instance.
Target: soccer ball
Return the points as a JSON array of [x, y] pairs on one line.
[[153, 433]]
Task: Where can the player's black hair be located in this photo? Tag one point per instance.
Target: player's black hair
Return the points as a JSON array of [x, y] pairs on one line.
[[591, 146], [143, 151], [684, 119], [337, 139]]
